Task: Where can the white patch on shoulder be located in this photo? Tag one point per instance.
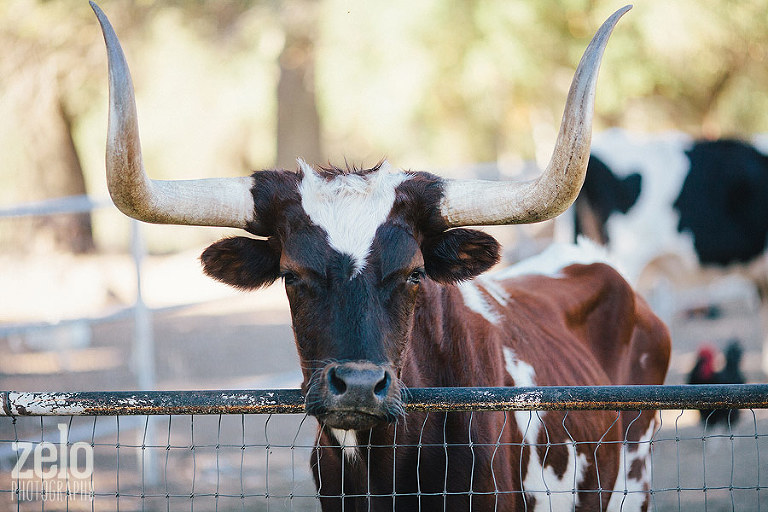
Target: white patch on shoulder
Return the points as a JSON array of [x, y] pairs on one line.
[[522, 373], [556, 257], [477, 302], [347, 439], [631, 493], [494, 289], [350, 208], [539, 479]]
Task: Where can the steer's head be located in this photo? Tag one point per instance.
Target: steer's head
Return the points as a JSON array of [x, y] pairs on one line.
[[354, 247]]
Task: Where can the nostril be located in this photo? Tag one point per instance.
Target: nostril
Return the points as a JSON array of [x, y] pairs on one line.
[[382, 386], [335, 383]]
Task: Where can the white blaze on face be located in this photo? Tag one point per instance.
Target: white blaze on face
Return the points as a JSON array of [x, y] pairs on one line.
[[539, 479], [350, 208]]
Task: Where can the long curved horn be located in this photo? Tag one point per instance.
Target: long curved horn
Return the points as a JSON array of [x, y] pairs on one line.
[[225, 202], [481, 202]]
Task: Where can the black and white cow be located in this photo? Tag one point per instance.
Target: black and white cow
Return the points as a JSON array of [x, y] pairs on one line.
[[704, 201]]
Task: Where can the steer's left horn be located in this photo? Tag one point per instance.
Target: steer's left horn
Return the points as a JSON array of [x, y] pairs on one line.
[[225, 202], [480, 202]]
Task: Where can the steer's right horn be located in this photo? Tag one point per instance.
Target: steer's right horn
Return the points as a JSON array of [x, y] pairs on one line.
[[481, 202], [225, 202]]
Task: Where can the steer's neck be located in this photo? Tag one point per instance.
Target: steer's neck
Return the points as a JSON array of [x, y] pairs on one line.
[[451, 345]]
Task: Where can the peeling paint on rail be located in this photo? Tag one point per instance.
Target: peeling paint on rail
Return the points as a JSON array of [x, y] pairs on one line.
[[291, 401], [152, 403]]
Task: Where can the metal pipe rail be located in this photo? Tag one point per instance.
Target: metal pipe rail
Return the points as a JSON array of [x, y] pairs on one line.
[[58, 205], [291, 401]]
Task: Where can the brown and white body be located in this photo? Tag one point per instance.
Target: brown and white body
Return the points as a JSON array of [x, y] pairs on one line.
[[378, 270]]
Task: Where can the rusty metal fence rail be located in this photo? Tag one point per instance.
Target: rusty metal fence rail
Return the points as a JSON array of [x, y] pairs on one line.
[[290, 401], [250, 450]]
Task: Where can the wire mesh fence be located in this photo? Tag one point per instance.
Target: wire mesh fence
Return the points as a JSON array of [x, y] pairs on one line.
[[252, 450]]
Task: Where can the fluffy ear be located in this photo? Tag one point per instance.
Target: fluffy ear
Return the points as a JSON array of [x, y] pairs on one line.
[[459, 254], [242, 262]]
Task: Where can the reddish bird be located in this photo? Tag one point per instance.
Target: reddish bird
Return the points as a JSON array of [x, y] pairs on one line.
[[704, 373]]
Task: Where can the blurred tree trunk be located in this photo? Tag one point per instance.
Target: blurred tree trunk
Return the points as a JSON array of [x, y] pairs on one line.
[[39, 73], [74, 232], [298, 122], [46, 161], [56, 170]]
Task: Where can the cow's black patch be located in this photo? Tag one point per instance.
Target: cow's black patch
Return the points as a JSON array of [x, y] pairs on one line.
[[724, 201], [605, 193]]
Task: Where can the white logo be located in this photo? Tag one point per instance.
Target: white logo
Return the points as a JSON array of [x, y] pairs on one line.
[[55, 472]]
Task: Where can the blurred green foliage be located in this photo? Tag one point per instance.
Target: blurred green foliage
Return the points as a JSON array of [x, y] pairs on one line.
[[428, 84]]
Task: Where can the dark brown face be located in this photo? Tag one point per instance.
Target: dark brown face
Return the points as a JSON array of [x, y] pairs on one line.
[[351, 324], [353, 252]]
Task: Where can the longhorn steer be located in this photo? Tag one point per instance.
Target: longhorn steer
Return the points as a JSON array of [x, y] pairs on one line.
[[377, 266]]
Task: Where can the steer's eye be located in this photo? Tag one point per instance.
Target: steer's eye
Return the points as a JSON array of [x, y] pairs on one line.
[[415, 277], [289, 277]]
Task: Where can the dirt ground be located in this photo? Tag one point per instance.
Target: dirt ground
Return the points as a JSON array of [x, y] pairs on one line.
[[244, 341]]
